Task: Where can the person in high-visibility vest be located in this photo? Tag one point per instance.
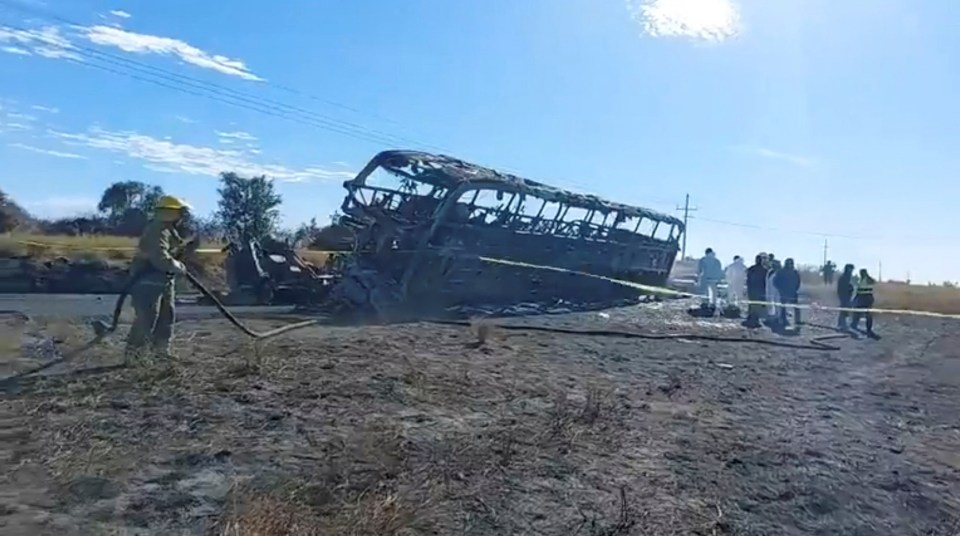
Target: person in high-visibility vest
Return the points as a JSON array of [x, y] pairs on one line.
[[863, 299]]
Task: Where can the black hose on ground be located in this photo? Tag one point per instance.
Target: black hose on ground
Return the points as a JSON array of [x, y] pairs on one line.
[[815, 343], [102, 329], [236, 322]]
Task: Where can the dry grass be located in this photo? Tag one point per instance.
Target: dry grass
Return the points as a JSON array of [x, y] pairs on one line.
[[381, 514], [48, 247], [119, 248], [899, 296], [937, 299]]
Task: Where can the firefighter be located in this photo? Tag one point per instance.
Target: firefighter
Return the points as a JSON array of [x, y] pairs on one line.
[[863, 301], [156, 266]]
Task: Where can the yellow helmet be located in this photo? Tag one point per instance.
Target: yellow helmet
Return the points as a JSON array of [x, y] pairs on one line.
[[171, 203]]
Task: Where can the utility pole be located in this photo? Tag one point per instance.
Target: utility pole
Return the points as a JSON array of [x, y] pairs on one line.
[[825, 247], [687, 209], [879, 271]]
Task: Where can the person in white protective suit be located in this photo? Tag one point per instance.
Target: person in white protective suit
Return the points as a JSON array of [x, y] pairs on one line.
[[773, 295], [736, 274], [709, 276]]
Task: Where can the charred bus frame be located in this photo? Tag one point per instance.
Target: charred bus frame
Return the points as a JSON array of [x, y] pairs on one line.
[[434, 230]]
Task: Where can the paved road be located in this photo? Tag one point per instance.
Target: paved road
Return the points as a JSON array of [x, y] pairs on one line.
[[88, 305]]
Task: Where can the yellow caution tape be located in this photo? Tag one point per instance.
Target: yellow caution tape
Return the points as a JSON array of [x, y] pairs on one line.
[[646, 288]]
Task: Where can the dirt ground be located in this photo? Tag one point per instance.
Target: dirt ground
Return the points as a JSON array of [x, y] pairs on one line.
[[423, 429]]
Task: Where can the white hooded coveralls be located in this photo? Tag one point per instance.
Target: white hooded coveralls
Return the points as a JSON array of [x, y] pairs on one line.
[[736, 274]]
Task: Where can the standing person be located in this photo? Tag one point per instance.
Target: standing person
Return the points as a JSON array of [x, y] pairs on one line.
[[773, 297], [756, 291], [156, 267], [863, 300], [709, 275], [736, 274], [845, 290], [828, 270], [787, 281]]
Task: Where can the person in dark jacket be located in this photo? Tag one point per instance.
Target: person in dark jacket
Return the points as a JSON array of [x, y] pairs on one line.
[[845, 295], [787, 283], [863, 301], [829, 269], [756, 291]]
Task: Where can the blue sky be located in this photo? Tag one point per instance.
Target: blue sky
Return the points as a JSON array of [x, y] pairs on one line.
[[784, 120]]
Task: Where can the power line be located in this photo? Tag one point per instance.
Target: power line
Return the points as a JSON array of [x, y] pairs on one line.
[[779, 230], [199, 90], [321, 121]]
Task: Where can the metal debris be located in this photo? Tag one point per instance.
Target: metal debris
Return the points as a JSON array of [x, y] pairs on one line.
[[271, 273]]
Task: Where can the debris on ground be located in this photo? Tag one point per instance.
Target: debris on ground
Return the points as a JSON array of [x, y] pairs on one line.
[[270, 272]]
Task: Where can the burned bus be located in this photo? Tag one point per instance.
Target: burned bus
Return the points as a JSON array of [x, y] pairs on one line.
[[430, 229]]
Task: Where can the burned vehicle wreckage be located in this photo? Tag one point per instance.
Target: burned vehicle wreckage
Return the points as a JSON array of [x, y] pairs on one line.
[[429, 230]]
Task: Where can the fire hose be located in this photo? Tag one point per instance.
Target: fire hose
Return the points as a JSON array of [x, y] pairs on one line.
[[815, 343], [102, 329]]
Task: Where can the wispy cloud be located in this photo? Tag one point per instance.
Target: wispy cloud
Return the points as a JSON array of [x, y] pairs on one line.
[[236, 135], [47, 109], [10, 119], [185, 119], [138, 43], [21, 117], [705, 20], [48, 42], [771, 154], [171, 157], [48, 152], [15, 50], [120, 13], [60, 42]]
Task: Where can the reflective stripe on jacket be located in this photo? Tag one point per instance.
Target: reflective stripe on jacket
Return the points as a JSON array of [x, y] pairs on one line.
[[865, 286]]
